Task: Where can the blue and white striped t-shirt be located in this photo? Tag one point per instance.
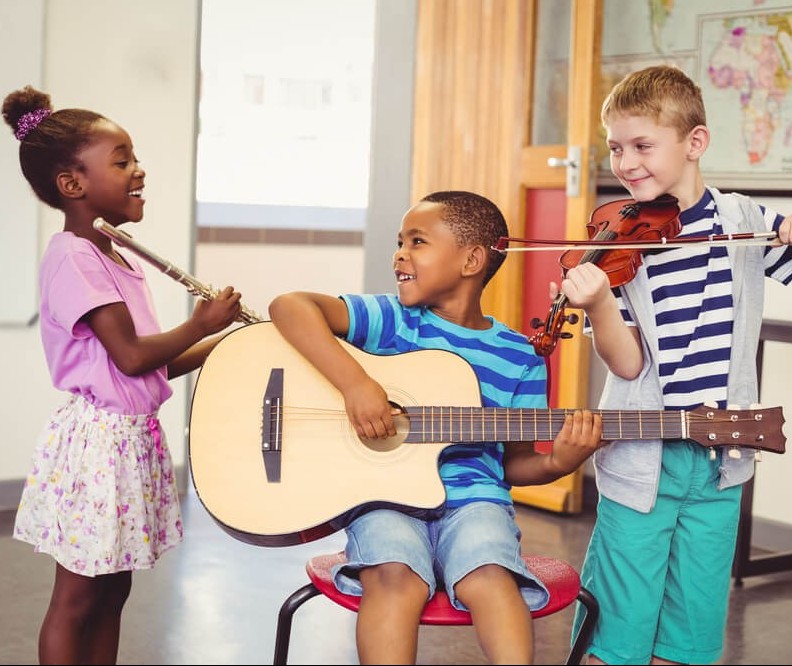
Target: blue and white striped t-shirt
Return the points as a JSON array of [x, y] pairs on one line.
[[692, 294], [509, 372]]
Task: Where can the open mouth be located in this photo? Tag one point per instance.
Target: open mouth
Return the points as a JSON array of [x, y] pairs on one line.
[[136, 193]]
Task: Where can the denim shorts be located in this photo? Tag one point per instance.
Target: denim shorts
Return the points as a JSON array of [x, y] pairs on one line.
[[662, 578], [441, 551]]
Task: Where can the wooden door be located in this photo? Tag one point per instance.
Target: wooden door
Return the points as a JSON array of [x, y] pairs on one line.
[[558, 191], [474, 96]]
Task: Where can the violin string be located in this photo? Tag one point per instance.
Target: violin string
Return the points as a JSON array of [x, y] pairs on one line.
[[646, 246]]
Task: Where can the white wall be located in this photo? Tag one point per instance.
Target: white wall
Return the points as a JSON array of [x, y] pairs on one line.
[[261, 272]]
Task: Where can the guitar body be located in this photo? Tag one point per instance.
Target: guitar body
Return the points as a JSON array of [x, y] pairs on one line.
[[327, 474]]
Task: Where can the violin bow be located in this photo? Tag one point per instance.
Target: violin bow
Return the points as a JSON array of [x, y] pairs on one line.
[[743, 239]]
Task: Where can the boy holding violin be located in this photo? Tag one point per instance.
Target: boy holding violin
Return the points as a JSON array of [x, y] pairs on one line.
[[683, 332]]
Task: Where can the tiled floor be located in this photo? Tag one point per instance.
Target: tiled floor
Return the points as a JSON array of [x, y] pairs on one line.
[[214, 600]]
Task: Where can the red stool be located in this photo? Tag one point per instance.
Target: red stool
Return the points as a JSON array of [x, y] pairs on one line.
[[561, 580]]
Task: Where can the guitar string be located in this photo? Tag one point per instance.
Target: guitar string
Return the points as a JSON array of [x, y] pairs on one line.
[[630, 426], [610, 416]]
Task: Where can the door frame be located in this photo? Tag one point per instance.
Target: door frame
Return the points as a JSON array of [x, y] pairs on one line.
[[572, 365]]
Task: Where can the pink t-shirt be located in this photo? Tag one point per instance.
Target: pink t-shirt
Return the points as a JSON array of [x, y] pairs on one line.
[[74, 278]]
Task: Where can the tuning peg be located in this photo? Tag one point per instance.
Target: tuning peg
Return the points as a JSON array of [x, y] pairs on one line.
[[572, 318], [537, 323], [735, 452]]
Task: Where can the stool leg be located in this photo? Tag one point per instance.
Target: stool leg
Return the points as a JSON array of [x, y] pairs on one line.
[[287, 610], [586, 628]]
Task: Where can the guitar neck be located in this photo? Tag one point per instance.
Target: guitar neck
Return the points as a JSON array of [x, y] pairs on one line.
[[498, 424]]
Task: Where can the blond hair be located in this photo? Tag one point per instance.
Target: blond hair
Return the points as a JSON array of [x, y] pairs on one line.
[[663, 92]]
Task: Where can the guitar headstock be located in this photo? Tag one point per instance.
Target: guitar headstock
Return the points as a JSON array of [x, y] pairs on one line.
[[754, 428]]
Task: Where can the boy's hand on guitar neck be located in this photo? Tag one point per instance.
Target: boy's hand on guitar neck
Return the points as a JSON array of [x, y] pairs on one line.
[[580, 437]]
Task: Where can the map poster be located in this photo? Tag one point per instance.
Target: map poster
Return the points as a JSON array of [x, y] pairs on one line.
[[740, 54]]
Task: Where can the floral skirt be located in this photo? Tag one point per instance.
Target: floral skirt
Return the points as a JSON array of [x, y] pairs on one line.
[[101, 496]]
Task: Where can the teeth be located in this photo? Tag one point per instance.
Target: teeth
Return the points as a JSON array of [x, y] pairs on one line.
[[136, 193]]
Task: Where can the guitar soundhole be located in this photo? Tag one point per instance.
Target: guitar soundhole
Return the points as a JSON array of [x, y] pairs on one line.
[[391, 443]]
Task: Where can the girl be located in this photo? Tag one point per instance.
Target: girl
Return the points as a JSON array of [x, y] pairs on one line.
[[101, 498]]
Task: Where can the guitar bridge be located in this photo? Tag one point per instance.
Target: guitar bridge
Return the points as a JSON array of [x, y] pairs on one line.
[[271, 425]]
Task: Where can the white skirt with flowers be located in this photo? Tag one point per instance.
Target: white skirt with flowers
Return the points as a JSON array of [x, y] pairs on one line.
[[101, 496]]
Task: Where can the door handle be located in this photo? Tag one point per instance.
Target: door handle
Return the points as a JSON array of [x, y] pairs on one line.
[[572, 163]]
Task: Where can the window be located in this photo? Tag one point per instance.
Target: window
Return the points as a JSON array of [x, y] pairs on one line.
[[285, 114]]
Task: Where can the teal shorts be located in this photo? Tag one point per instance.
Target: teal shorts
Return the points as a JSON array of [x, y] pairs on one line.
[[662, 578]]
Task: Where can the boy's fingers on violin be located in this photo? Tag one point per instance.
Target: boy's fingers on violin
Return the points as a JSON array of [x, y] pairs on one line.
[[785, 232], [587, 274]]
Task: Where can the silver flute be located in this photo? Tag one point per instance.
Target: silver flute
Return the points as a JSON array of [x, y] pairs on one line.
[[207, 292]]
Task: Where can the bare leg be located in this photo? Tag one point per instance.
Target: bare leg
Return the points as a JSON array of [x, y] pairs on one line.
[[104, 629], [82, 622], [389, 614], [502, 620]]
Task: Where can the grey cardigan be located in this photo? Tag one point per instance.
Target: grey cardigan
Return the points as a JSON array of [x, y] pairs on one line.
[[628, 472]]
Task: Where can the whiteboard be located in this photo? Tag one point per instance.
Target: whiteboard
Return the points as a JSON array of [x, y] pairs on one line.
[[21, 43]]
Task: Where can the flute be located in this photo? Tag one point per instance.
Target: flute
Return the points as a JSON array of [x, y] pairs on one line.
[[196, 288]]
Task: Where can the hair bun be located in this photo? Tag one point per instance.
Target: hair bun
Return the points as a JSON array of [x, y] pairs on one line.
[[24, 109]]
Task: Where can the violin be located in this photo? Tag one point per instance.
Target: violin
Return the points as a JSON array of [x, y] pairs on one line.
[[626, 225], [619, 232]]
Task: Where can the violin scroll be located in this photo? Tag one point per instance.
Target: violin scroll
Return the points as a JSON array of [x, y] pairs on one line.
[[550, 331]]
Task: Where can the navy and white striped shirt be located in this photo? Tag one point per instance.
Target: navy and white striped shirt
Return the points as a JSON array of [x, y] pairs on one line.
[[691, 290], [509, 372]]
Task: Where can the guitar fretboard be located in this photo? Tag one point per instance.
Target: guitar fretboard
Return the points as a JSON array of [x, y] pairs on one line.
[[490, 424]]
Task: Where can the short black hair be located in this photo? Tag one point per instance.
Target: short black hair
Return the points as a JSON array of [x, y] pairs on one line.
[[474, 220]]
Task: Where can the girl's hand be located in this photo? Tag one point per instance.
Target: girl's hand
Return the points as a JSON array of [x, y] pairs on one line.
[[219, 313]]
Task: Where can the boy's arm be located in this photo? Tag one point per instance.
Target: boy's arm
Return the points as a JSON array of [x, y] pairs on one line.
[[579, 437], [587, 286], [311, 322]]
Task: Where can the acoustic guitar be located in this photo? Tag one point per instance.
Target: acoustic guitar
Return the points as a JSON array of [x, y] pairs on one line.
[[276, 462]]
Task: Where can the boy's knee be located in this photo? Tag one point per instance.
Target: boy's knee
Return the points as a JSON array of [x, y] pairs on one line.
[[485, 580], [393, 577]]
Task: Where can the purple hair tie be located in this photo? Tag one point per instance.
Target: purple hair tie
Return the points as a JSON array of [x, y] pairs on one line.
[[30, 121]]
